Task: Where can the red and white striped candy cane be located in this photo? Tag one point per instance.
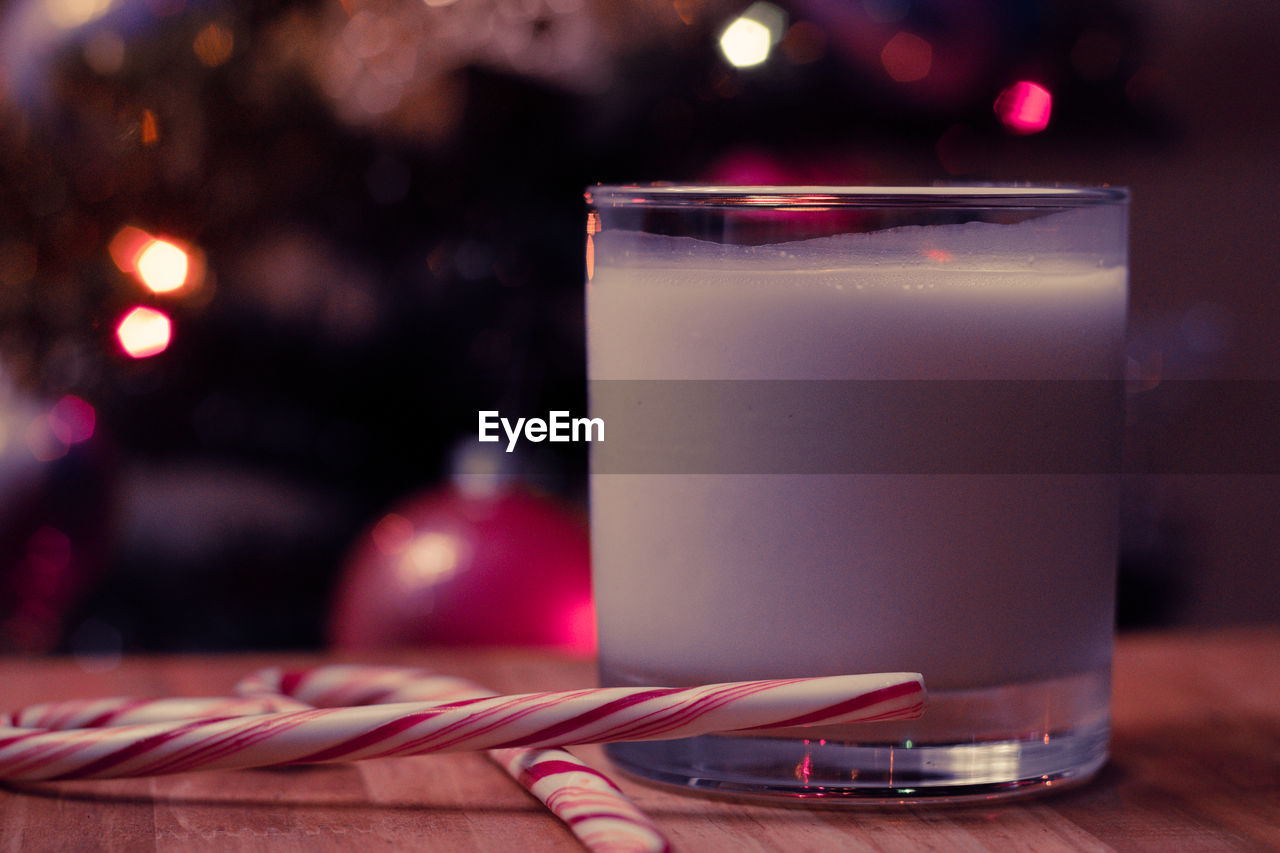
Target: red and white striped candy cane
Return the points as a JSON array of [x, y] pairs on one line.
[[586, 800], [532, 720], [95, 713]]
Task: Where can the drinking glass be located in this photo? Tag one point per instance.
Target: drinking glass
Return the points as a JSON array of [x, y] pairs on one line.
[[862, 429]]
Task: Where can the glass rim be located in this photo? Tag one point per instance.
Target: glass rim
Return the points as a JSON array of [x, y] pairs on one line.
[[748, 197]]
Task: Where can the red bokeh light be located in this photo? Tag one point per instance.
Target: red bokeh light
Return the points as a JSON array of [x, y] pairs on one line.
[[907, 57]]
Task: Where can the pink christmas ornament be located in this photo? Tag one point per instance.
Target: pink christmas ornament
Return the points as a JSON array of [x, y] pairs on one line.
[[505, 568]]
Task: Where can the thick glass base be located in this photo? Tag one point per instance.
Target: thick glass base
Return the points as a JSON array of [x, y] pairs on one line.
[[778, 768], [1031, 738]]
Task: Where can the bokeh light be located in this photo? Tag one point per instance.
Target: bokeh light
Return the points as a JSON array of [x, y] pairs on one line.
[[907, 58], [126, 246], [745, 43], [149, 129], [162, 266], [213, 45], [72, 420], [144, 332], [44, 445], [1024, 107], [749, 39], [68, 14]]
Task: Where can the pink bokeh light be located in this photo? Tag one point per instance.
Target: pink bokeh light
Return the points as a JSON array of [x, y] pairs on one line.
[[72, 420], [1024, 107]]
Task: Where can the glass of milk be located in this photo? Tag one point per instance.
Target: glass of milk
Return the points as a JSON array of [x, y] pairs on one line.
[[833, 423]]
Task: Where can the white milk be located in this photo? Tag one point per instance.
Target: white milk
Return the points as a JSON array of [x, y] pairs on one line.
[[976, 581]]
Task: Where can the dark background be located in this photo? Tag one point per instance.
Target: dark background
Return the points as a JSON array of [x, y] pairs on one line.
[[386, 201]]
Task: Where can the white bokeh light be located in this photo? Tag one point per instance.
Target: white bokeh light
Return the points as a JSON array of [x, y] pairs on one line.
[[747, 41], [162, 266], [144, 332]]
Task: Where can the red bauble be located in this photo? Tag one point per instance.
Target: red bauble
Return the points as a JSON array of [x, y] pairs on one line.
[[508, 568]]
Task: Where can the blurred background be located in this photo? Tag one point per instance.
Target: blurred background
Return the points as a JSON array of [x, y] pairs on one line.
[[261, 263]]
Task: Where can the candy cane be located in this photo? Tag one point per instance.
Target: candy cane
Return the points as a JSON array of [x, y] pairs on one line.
[[598, 715], [586, 800], [94, 713]]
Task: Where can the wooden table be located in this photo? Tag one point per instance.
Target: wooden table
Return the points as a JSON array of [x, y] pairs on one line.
[[1196, 767]]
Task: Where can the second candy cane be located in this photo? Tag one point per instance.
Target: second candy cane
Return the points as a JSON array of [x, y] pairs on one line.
[[586, 800]]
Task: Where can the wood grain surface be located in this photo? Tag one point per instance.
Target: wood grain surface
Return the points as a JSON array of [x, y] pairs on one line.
[[1195, 767]]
